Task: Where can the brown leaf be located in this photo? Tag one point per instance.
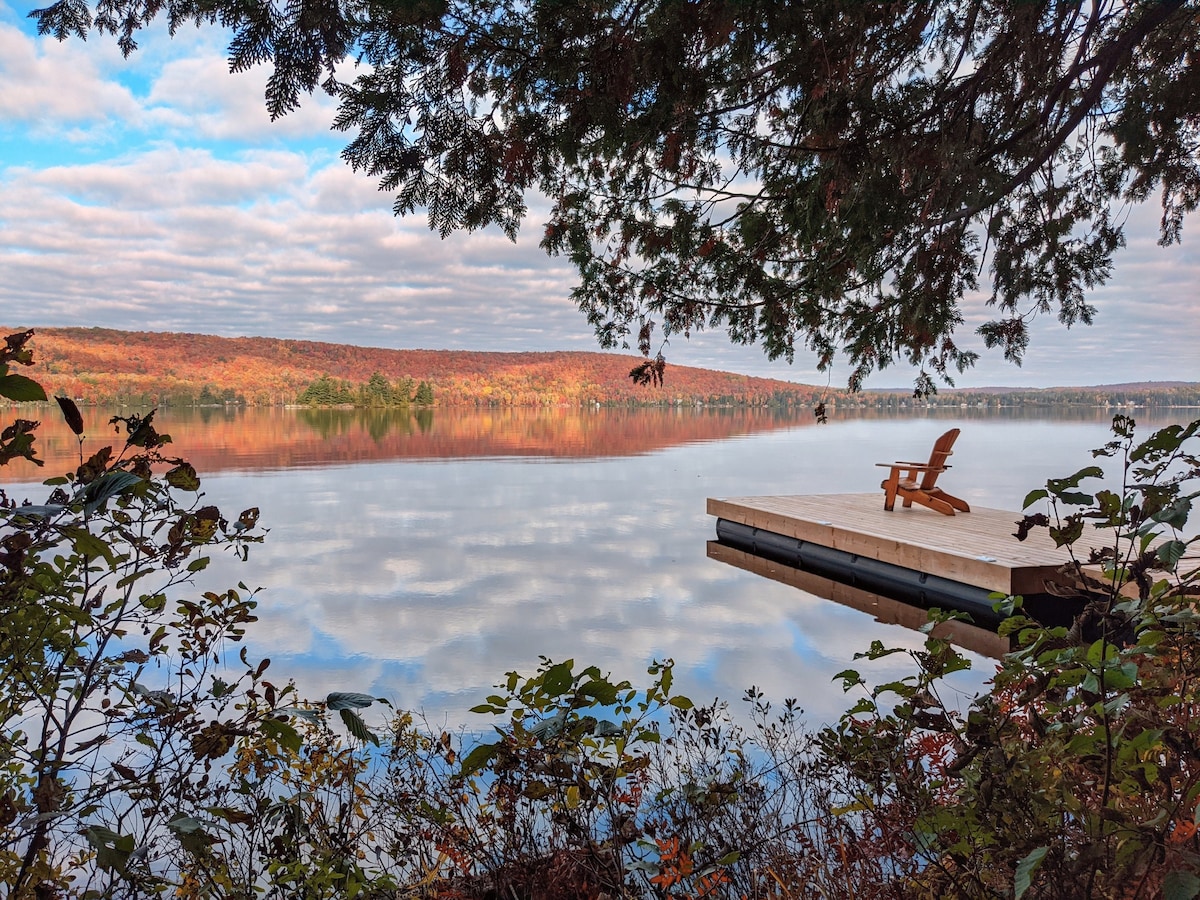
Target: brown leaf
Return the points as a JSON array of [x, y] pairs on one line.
[[1027, 524], [71, 414], [96, 466]]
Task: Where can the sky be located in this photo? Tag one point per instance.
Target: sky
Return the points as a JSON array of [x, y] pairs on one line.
[[155, 194]]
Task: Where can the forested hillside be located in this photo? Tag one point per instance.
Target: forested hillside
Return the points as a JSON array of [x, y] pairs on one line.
[[165, 369], [105, 366]]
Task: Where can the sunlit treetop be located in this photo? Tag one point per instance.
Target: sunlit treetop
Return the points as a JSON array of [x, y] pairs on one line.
[[825, 175]]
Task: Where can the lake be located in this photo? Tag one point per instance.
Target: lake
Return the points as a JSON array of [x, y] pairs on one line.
[[421, 556]]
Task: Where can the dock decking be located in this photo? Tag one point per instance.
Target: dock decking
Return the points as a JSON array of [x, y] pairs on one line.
[[975, 548]]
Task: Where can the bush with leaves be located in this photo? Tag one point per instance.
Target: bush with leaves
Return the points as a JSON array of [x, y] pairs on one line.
[[111, 686], [1077, 775]]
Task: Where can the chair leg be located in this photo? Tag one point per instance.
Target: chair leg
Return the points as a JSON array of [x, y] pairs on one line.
[[941, 506], [955, 502], [889, 485], [930, 500]]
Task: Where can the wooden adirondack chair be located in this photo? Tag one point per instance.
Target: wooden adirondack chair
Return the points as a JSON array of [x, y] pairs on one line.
[[925, 492]]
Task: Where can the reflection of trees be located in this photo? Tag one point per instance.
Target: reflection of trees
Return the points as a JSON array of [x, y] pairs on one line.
[[379, 422], [234, 437], [328, 423], [376, 422]]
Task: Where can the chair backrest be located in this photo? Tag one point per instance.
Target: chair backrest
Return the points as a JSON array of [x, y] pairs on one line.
[[937, 459]]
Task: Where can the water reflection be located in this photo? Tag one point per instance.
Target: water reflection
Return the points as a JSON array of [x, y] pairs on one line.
[[422, 565], [217, 439], [981, 641]]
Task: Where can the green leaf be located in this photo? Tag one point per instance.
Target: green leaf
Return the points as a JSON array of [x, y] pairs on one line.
[[1057, 486], [71, 413], [1162, 442], [1025, 869], [602, 691], [283, 732], [1170, 553], [1180, 885], [309, 715], [667, 679], [479, 757], [849, 677], [558, 679], [153, 602], [878, 650], [681, 702], [649, 735], [21, 389], [1034, 496], [112, 849], [341, 700], [108, 485], [87, 544], [1069, 533], [862, 706], [135, 575], [357, 727], [185, 825], [198, 565], [1076, 498], [1101, 651], [900, 688]]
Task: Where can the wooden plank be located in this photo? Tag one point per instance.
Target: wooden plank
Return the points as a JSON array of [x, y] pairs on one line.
[[883, 609], [976, 548]]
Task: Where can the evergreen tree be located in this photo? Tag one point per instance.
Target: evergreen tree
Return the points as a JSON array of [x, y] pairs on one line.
[[377, 392], [824, 173]]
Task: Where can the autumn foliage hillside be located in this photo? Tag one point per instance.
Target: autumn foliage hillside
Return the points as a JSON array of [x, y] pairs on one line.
[[162, 369]]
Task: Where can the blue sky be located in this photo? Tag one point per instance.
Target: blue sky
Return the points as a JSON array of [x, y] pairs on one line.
[[155, 194]]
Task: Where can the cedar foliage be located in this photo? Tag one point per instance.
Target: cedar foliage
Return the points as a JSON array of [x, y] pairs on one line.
[[826, 175]]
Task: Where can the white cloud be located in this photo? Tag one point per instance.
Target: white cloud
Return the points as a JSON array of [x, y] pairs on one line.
[[199, 97], [50, 87]]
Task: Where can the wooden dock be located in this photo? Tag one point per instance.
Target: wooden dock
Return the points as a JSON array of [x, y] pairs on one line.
[[975, 548]]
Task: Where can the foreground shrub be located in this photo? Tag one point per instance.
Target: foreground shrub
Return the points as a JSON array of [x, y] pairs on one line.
[[1077, 775], [139, 758]]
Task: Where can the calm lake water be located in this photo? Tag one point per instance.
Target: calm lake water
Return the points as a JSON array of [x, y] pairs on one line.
[[420, 557]]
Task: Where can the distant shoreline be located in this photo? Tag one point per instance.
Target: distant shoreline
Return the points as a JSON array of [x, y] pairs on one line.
[[100, 366]]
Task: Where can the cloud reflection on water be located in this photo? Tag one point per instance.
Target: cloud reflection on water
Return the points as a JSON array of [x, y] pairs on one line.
[[426, 581]]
